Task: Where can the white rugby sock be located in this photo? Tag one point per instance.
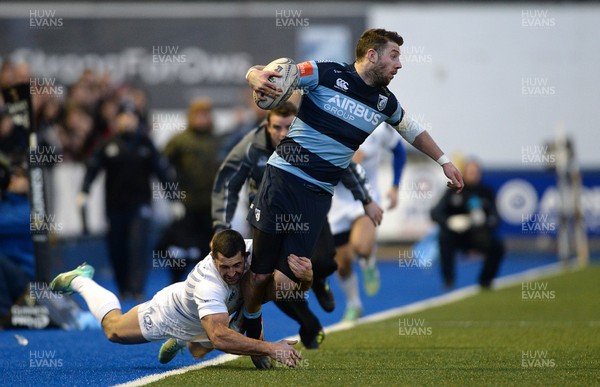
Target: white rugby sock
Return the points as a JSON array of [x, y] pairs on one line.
[[365, 262], [99, 300], [350, 288]]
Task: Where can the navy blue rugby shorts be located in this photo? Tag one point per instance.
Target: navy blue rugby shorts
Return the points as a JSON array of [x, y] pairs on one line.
[[287, 215]]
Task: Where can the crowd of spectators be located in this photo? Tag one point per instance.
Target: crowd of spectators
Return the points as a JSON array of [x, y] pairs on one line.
[[70, 119]]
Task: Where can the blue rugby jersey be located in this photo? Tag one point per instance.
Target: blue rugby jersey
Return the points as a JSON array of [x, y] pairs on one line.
[[338, 112]]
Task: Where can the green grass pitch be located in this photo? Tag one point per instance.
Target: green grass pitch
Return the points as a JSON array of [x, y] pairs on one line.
[[544, 332]]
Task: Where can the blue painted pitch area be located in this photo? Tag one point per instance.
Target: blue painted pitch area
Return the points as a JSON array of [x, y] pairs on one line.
[[78, 358]]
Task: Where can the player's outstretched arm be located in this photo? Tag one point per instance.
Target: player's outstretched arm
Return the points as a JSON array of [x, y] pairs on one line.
[[416, 135], [227, 340], [258, 80], [425, 143]]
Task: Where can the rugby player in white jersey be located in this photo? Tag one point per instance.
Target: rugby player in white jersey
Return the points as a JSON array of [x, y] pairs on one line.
[[197, 311]]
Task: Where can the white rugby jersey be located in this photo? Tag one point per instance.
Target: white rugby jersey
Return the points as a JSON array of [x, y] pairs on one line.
[[205, 292]]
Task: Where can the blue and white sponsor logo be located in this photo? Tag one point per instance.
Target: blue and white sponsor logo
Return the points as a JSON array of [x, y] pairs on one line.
[[348, 109]]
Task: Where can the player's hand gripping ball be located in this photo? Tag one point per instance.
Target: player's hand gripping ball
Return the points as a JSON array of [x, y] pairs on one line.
[[287, 82]]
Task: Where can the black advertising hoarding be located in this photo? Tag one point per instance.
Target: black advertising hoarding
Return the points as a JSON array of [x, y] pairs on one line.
[[175, 52]]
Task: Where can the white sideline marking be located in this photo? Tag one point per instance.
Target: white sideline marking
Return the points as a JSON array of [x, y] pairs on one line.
[[456, 295]]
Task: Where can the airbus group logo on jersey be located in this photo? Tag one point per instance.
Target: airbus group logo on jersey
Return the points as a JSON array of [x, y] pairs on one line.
[[349, 110], [341, 84]]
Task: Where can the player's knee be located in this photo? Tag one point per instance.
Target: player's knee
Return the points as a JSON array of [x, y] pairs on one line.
[[363, 250], [261, 279], [111, 331], [113, 335]]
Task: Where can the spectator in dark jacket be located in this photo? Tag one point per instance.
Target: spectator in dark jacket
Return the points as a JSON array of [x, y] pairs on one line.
[[130, 160], [467, 221], [194, 154]]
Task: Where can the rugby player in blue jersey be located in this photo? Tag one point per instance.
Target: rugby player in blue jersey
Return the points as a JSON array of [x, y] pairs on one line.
[[341, 105]]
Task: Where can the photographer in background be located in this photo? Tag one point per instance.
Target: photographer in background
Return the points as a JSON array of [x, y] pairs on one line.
[[467, 221]]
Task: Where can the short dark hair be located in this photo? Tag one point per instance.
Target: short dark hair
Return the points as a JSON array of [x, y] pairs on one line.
[[375, 38], [228, 243], [286, 109]]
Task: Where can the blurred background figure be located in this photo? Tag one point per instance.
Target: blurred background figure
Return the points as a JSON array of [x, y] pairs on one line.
[[467, 221], [13, 139], [73, 133], [17, 265], [49, 115], [248, 117], [353, 231], [194, 154], [130, 160]]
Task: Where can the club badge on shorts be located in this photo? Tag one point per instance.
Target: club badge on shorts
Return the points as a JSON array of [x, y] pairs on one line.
[[148, 321]]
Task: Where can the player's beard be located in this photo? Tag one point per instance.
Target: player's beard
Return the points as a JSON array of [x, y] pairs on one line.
[[377, 78], [377, 75]]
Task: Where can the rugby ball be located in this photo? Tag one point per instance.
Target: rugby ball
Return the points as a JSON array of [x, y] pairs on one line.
[[287, 82]]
